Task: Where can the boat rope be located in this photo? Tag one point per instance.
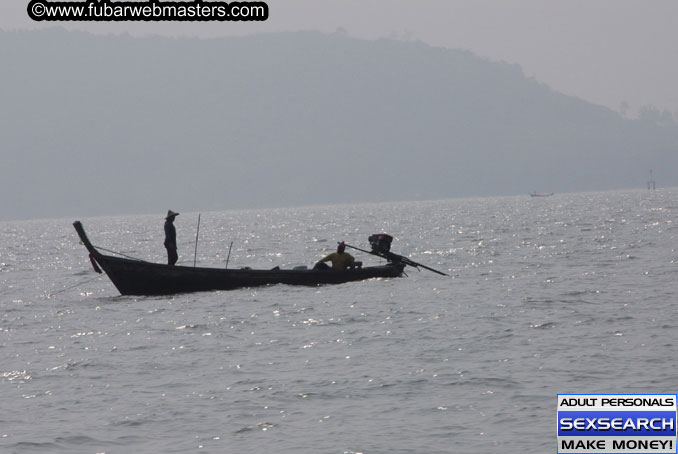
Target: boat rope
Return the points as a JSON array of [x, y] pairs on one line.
[[94, 263], [119, 253], [50, 295]]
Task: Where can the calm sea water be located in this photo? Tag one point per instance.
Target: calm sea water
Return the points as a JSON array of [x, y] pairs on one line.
[[574, 293]]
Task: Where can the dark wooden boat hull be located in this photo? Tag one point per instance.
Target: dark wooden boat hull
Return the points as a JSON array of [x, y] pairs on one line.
[[136, 277]]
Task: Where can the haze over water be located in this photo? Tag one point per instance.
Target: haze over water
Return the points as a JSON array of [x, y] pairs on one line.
[[572, 293]]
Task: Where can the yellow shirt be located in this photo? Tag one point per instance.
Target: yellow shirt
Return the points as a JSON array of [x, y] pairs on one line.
[[339, 261]]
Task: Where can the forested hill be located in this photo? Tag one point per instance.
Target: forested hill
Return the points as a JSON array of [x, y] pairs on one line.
[[117, 124]]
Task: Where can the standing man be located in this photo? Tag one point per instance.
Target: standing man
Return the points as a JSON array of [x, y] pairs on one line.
[[171, 238]]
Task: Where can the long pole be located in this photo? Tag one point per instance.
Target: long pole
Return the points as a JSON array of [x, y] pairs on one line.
[[195, 253], [395, 257], [229, 254]]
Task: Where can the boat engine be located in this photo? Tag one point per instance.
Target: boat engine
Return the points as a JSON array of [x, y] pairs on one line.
[[380, 242]]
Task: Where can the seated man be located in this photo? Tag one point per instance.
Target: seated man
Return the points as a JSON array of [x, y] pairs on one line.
[[340, 259]]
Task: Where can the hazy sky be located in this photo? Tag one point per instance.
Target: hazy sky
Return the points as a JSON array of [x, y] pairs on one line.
[[605, 51]]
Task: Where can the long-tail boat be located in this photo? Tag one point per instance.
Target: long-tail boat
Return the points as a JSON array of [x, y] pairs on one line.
[[138, 277]]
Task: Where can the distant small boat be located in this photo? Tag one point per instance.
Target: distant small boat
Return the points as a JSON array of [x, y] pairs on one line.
[[536, 194]]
